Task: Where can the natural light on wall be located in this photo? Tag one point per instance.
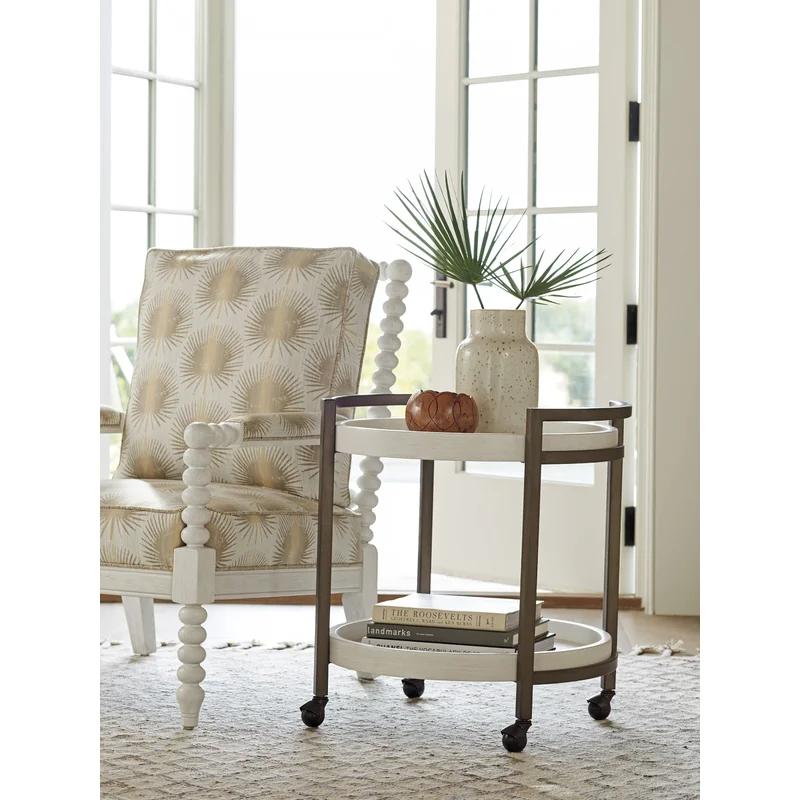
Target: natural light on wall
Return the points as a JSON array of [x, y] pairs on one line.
[[334, 108]]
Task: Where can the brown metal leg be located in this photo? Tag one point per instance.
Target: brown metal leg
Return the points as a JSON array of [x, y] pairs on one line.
[[515, 736], [313, 712], [600, 705], [425, 526], [415, 687]]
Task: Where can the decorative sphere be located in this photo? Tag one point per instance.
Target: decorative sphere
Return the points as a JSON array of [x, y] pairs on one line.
[[443, 412]]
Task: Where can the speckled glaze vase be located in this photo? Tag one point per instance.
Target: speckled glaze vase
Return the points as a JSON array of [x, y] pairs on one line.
[[499, 366]]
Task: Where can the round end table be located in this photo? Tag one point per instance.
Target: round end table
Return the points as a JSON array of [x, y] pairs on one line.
[[552, 436]]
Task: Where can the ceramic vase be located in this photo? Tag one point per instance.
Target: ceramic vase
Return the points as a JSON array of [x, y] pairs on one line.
[[499, 366]]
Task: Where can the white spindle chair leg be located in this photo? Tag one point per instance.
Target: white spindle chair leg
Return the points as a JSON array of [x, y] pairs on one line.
[[140, 617], [191, 654], [194, 564]]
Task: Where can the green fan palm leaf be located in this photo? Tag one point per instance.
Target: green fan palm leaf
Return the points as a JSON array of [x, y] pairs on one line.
[[435, 228]]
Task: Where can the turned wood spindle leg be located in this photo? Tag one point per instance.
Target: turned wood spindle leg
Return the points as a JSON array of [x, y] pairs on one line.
[[194, 563], [191, 654]]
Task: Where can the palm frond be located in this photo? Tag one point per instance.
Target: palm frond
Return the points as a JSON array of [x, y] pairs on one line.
[[548, 284], [434, 226]]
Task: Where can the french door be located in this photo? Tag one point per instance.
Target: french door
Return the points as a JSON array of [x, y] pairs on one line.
[[532, 103]]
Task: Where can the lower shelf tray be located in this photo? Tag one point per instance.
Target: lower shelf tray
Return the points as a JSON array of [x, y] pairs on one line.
[[578, 647]]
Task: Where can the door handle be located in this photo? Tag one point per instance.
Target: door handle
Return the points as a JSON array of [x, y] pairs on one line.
[[439, 312]]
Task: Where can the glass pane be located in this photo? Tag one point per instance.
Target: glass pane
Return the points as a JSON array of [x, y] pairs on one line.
[[174, 231], [568, 473], [566, 145], [492, 296], [558, 473], [498, 37], [130, 34], [502, 469], [128, 140], [572, 320], [569, 34], [175, 38], [566, 379], [175, 146], [128, 250], [498, 142], [122, 361], [114, 446]]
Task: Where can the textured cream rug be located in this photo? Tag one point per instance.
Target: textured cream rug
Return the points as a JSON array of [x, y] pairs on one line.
[[376, 744]]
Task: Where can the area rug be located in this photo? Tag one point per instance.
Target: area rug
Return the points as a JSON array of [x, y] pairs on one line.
[[377, 745]]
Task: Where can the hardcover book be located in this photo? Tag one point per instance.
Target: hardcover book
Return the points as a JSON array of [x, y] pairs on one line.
[[546, 642], [426, 633], [452, 611]]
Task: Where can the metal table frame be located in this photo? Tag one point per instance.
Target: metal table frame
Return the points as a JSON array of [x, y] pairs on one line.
[[515, 735]]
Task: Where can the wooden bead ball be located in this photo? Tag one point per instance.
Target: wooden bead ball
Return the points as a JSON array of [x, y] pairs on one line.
[[444, 412]]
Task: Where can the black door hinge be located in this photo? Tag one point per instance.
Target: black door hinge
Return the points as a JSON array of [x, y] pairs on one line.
[[630, 526], [631, 323], [633, 120]]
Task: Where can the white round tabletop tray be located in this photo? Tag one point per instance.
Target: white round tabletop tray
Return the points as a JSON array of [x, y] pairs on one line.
[[392, 439], [577, 645]]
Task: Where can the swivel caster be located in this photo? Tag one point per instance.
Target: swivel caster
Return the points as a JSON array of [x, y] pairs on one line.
[[600, 704], [413, 687], [313, 712], [515, 736]]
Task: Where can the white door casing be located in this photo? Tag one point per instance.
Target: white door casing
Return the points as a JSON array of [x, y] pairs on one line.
[[477, 519]]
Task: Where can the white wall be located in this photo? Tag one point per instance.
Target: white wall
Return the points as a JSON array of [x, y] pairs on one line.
[[676, 390]]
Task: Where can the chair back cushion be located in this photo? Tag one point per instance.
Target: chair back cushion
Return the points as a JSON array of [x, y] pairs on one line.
[[244, 330]]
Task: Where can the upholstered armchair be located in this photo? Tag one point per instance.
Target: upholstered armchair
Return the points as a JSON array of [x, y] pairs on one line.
[[215, 495]]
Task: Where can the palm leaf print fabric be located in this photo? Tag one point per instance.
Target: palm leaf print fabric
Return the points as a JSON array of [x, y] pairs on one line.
[[251, 527], [237, 333]]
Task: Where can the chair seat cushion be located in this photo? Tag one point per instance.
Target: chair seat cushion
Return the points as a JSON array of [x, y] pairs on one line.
[[251, 527]]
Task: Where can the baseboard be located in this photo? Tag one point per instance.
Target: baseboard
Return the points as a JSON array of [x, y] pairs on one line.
[[627, 602]]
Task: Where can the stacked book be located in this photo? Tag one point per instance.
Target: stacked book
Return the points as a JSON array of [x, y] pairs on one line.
[[453, 624]]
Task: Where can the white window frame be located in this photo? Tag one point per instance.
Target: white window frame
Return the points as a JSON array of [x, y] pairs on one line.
[[530, 211], [212, 209], [617, 288], [213, 179], [451, 155], [667, 519]]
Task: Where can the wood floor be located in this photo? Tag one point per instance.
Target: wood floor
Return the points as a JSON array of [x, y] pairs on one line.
[[274, 623], [638, 628]]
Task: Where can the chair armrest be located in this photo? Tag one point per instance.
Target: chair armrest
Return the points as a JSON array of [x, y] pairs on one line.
[[283, 428], [257, 429], [111, 420], [248, 429]]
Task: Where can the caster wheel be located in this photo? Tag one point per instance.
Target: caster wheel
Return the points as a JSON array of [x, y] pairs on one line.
[[600, 705], [313, 712], [515, 736], [413, 687]]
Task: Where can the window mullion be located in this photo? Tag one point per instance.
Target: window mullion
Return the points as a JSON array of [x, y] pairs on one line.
[[147, 75], [214, 121], [533, 84], [199, 110], [151, 128]]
